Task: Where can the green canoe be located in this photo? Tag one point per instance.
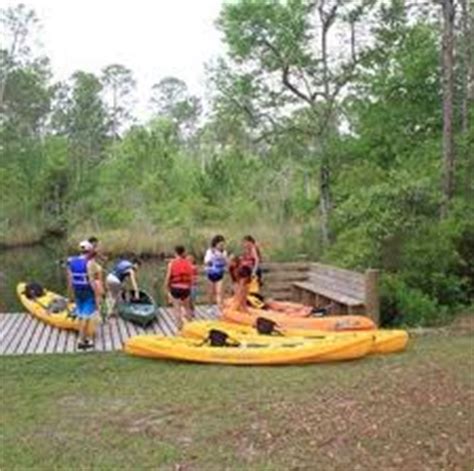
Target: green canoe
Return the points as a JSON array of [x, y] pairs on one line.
[[141, 311]]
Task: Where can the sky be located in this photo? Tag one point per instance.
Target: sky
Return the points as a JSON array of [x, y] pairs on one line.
[[154, 38]]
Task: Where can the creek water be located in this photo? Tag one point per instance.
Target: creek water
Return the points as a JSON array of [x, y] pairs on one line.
[[45, 264]]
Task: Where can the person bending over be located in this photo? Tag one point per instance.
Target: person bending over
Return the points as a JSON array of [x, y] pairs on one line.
[[124, 270]]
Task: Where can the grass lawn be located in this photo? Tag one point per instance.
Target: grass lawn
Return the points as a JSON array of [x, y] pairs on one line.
[[412, 411]]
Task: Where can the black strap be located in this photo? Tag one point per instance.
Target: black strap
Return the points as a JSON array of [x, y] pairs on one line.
[[266, 326], [219, 338]]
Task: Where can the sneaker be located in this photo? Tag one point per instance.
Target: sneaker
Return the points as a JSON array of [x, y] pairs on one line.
[[84, 345]]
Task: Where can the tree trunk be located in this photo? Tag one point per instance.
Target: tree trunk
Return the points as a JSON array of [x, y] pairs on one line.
[[448, 90], [470, 53], [466, 64], [324, 202]]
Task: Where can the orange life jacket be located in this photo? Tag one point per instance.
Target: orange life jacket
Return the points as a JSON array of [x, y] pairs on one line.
[[181, 273]]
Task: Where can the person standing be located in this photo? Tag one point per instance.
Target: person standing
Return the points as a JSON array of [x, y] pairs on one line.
[[252, 257], [84, 277], [123, 271], [215, 261], [178, 284]]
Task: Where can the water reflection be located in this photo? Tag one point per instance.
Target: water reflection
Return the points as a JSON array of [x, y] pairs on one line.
[[45, 264]]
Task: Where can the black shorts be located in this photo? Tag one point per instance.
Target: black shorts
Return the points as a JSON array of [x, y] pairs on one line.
[[180, 293]]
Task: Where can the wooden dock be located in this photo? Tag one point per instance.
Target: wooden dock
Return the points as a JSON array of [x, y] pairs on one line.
[[22, 334]]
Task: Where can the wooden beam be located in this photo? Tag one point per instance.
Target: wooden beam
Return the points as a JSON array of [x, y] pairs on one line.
[[372, 301]]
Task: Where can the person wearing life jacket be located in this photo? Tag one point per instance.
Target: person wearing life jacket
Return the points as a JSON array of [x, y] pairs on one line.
[[123, 271], [215, 262], [243, 280], [84, 278], [251, 256], [178, 284]]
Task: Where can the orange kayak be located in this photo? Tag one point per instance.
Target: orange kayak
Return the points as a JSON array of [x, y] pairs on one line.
[[285, 321], [286, 307]]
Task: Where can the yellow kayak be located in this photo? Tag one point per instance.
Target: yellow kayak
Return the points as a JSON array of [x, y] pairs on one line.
[[384, 341], [51, 308], [256, 350]]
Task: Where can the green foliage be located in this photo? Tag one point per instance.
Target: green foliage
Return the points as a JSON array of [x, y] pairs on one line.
[[403, 305], [253, 162]]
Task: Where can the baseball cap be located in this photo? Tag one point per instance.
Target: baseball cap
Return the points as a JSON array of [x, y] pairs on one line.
[[86, 246]]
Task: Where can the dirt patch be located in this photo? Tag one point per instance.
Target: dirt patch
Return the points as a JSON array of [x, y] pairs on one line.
[[463, 324], [413, 421]]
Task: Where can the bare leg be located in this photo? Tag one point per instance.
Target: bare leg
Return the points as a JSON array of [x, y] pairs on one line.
[[211, 291], [188, 309], [82, 330], [177, 311], [219, 287]]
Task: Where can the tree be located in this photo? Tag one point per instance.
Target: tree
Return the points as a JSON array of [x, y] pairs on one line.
[[81, 116], [448, 93], [119, 83], [17, 25], [172, 100], [285, 48]]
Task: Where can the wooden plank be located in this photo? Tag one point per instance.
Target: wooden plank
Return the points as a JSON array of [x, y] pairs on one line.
[[10, 330], [113, 332], [52, 341], [99, 337], [6, 320], [204, 313], [61, 341], [156, 328], [163, 323], [131, 329], [354, 291], [339, 273], [170, 320], [42, 344], [11, 334], [108, 335], [341, 280], [281, 266], [371, 295], [199, 314], [122, 331], [20, 334], [310, 287], [72, 338], [285, 276], [35, 339]]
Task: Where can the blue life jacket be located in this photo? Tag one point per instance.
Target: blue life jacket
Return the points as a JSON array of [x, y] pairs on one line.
[[122, 269], [217, 264], [78, 268]]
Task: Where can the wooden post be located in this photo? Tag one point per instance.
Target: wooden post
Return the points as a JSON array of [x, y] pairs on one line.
[[372, 302], [295, 294]]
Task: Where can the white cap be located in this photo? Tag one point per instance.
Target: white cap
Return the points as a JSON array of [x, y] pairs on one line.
[[86, 246]]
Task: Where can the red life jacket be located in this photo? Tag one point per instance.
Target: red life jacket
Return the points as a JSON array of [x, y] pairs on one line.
[[248, 260], [181, 273]]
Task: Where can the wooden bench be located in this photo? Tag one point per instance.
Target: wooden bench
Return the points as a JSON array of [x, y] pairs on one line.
[[344, 291]]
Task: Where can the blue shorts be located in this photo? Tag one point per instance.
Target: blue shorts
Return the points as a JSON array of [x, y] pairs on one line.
[[214, 277], [85, 304]]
